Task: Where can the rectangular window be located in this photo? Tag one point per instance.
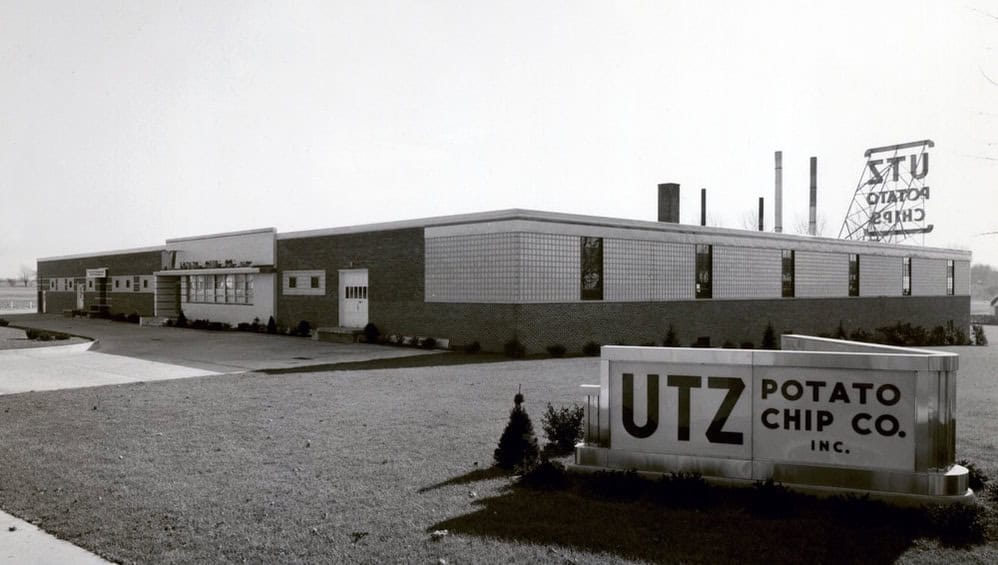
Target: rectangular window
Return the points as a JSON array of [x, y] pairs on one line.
[[117, 283], [592, 268], [950, 273], [853, 274], [314, 282], [704, 271], [90, 284], [788, 273], [292, 282], [145, 283], [906, 276]]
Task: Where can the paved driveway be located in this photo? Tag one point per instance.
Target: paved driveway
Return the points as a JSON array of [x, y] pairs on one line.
[[219, 352]]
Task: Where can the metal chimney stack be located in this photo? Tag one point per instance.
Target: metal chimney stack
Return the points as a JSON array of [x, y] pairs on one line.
[[812, 225], [703, 206], [761, 208], [778, 212], [668, 202]]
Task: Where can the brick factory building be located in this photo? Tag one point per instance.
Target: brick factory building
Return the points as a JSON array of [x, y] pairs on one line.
[[544, 278]]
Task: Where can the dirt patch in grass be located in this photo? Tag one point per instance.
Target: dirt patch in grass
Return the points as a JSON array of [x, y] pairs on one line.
[[352, 465]]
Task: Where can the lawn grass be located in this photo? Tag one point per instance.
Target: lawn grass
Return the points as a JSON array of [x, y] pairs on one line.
[[352, 465]]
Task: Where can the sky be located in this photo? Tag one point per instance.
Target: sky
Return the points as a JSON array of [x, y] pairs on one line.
[[127, 123]]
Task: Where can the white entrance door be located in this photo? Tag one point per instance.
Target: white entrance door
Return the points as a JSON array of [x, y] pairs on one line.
[[80, 288], [353, 298]]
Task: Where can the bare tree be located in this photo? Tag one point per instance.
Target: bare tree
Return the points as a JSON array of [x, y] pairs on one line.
[[27, 274], [802, 225], [11, 281]]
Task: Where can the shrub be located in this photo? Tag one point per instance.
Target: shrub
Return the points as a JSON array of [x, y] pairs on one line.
[[747, 345], [840, 333], [371, 333], [513, 348], [563, 427], [473, 347], [979, 337], [271, 326], [859, 334], [200, 324], [216, 326], [243, 326], [61, 336], [428, 343], [3, 323], [772, 500], [548, 475], [670, 338], [977, 478], [591, 349], [44, 336], [255, 326], [119, 317], [957, 524], [32, 333], [304, 329], [686, 490], [728, 344], [518, 445], [556, 350], [134, 318], [769, 337], [169, 323], [181, 320]]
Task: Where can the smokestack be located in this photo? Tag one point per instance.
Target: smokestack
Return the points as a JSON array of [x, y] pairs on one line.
[[668, 202], [703, 206], [778, 212], [812, 225], [761, 223]]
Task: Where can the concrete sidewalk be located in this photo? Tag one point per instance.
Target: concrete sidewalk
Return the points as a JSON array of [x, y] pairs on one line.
[[217, 351], [22, 543]]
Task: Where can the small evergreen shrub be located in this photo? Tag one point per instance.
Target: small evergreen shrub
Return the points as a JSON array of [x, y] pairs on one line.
[[670, 338], [747, 345], [728, 344], [61, 336], [556, 350], [513, 348], [979, 337], [303, 329], [217, 326], [371, 333], [243, 327], [428, 343], [255, 326], [271, 326], [32, 333], [169, 323], [591, 349], [119, 317], [769, 337], [3, 323], [518, 445], [44, 336], [563, 427], [133, 318], [473, 347], [181, 320]]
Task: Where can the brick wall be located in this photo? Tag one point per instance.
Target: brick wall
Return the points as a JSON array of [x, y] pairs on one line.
[[141, 263], [394, 260], [574, 324]]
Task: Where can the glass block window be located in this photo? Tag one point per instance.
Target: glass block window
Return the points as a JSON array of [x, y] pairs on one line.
[[591, 266], [788, 273], [704, 271]]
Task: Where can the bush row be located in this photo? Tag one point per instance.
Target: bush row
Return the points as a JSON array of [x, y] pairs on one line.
[[43, 335]]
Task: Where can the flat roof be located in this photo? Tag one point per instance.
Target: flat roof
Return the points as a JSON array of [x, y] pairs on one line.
[[549, 217]]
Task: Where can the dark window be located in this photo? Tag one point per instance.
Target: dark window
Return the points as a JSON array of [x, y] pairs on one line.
[[90, 284], [70, 284], [705, 270], [788, 273], [315, 282], [128, 284], [854, 274], [592, 268], [117, 284], [950, 272], [145, 283], [906, 276], [292, 282]]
